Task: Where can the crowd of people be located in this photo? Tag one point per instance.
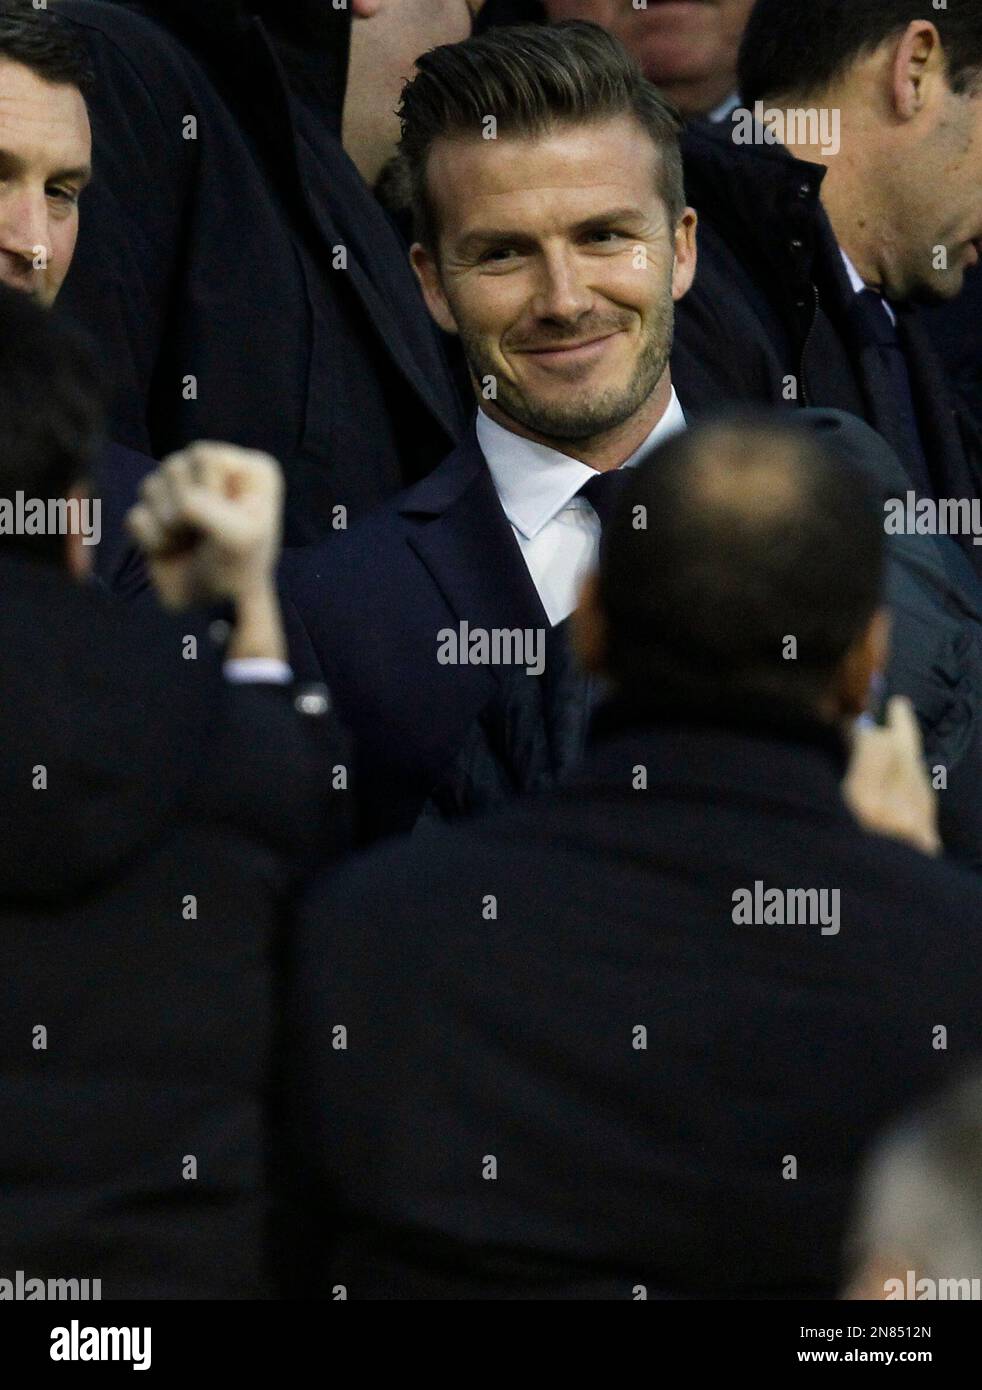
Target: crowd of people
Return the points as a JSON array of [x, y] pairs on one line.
[[491, 659]]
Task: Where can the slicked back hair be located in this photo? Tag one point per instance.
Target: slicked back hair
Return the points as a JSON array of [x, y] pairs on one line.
[[800, 48], [531, 79]]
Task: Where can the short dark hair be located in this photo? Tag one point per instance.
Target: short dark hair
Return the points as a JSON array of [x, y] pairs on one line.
[[52, 405], [801, 47], [754, 531], [43, 42], [530, 79]]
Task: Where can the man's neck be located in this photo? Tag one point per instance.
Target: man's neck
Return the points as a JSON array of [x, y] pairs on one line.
[[603, 451], [849, 188]]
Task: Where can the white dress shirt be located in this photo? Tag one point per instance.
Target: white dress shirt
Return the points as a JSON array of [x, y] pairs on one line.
[[725, 109], [859, 284], [558, 533]]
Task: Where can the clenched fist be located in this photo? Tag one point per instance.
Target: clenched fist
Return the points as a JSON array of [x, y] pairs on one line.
[[209, 520]]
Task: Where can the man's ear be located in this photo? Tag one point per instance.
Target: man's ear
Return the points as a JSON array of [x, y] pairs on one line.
[[866, 658], [686, 254], [918, 69], [79, 558], [589, 627], [428, 275]]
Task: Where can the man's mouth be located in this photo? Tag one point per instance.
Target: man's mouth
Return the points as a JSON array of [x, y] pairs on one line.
[[561, 354]]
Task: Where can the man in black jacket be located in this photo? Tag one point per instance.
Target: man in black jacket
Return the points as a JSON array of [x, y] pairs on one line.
[[239, 277], [156, 818], [844, 190], [628, 1039]]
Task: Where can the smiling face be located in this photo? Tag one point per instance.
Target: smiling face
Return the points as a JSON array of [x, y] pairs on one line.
[[558, 266], [688, 48], [45, 155]]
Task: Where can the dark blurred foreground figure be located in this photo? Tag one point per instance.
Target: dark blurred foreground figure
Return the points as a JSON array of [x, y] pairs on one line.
[[571, 1050], [155, 818], [843, 193], [239, 277]]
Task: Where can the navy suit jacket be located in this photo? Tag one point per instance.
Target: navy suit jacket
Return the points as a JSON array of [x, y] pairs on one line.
[[364, 610]]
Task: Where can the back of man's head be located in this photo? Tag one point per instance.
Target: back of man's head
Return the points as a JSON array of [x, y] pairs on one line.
[[743, 564], [51, 417], [801, 48]]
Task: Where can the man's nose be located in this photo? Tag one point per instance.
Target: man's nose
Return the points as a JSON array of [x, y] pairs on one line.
[[561, 292], [24, 223]]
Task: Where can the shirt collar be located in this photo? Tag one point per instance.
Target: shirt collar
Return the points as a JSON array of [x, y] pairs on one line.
[[859, 284], [534, 483], [725, 109]]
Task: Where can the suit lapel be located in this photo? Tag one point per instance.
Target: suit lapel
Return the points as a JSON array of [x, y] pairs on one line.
[[464, 540]]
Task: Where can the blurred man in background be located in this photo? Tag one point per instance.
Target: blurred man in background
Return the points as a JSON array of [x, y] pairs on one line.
[[386, 39], [815, 248], [688, 48], [45, 167]]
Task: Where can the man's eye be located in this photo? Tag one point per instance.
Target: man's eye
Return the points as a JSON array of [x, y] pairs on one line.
[[604, 235], [63, 195], [498, 254]]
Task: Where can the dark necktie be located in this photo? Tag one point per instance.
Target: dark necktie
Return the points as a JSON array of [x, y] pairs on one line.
[[602, 492], [880, 331]]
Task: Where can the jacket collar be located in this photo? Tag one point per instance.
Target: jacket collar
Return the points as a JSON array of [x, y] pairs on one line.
[[464, 540], [760, 753], [448, 482], [761, 198]]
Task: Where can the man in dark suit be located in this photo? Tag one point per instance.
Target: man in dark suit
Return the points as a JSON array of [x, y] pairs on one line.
[[157, 816], [254, 292], [843, 191], [556, 253], [628, 1039]]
